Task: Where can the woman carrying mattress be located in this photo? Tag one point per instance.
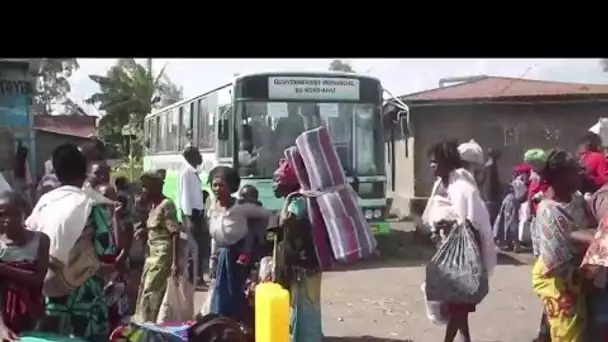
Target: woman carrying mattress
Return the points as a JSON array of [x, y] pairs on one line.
[[298, 268]]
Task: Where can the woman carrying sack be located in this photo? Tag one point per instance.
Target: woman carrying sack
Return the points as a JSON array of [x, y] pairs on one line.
[[456, 202], [163, 252]]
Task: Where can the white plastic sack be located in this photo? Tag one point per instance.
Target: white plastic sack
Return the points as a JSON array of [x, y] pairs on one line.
[[177, 305], [206, 308], [471, 152], [434, 309], [523, 226], [601, 129], [439, 209], [266, 270], [519, 187]]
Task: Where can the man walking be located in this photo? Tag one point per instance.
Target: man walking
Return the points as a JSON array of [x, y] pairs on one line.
[[192, 204]]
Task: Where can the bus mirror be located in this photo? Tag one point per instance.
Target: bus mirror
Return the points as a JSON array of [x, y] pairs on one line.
[[147, 143], [222, 130], [404, 125]]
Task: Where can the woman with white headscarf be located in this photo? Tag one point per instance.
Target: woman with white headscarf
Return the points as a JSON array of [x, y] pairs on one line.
[[472, 157]]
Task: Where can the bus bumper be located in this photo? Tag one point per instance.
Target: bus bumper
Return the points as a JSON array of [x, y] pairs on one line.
[[380, 227]]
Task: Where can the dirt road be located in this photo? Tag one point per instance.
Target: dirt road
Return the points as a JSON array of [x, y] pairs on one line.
[[384, 303]]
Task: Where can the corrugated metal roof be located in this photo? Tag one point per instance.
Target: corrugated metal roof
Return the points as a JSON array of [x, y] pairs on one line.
[[504, 87], [73, 125]]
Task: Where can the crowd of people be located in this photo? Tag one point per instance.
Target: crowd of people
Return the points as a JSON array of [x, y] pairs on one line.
[[67, 265], [555, 206], [70, 266]]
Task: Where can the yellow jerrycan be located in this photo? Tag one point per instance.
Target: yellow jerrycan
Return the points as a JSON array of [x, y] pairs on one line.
[[271, 313]]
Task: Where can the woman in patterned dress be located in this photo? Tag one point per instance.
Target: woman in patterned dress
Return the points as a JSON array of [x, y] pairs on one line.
[[163, 253], [555, 276], [595, 268], [84, 312]]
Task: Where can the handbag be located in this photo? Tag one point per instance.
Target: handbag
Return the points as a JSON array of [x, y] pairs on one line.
[[435, 311], [177, 302], [82, 265], [523, 225], [206, 308], [456, 273]]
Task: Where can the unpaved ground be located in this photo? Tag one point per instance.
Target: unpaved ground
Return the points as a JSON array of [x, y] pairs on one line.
[[386, 303], [383, 302]]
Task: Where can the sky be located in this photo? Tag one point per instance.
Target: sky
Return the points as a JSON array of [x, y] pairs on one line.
[[399, 76]]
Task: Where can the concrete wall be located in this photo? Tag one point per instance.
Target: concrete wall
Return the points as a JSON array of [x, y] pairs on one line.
[[46, 143], [15, 116], [510, 128]]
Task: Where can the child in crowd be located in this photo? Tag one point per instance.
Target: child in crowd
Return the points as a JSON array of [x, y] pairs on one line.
[[257, 227], [116, 286]]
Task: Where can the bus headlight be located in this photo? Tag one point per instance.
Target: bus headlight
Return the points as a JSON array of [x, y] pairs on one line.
[[377, 213], [368, 214]]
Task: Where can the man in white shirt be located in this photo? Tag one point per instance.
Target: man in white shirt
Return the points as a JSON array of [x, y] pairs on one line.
[[192, 204]]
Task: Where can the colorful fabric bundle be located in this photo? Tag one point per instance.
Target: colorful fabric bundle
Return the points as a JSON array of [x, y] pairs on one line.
[[319, 232], [140, 332], [349, 234]]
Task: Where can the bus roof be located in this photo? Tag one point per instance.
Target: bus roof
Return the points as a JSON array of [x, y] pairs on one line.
[[307, 73], [270, 74], [179, 103]]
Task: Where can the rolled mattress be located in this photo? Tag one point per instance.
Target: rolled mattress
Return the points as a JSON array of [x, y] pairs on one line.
[[350, 236]]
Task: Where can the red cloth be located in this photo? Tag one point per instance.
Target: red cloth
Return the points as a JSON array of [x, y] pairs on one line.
[[22, 303], [285, 173], [534, 188], [522, 169], [596, 169]]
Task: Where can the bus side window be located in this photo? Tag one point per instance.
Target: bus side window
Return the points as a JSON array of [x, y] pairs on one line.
[[172, 126], [224, 147], [205, 124], [202, 123], [156, 133], [162, 133], [171, 123], [147, 140], [185, 125]]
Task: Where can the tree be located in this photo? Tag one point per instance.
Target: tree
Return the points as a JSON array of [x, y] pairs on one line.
[[339, 65], [130, 88], [72, 108], [52, 84]]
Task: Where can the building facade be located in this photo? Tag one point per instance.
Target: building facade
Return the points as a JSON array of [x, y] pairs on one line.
[[505, 114], [17, 84]]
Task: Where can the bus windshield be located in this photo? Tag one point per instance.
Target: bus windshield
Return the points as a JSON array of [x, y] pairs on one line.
[[268, 128]]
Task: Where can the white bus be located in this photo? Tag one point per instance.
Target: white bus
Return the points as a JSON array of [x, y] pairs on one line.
[[248, 124]]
